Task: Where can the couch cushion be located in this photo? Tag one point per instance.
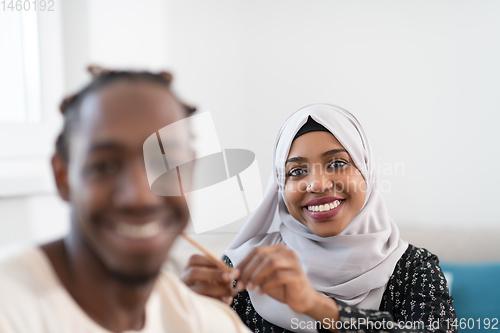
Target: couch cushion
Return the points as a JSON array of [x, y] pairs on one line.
[[476, 291]]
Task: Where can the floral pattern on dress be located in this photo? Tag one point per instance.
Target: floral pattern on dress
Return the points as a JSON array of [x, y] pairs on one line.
[[417, 292]]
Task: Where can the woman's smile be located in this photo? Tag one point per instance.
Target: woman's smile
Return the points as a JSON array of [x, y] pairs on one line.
[[323, 209], [323, 188], [324, 212]]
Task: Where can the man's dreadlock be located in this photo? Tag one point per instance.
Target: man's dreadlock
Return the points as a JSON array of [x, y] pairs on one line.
[[101, 77]]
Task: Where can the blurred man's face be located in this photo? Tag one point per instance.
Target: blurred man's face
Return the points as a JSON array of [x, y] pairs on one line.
[[129, 228]]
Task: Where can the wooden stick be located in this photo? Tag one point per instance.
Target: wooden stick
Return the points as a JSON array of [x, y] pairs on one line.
[[217, 261]]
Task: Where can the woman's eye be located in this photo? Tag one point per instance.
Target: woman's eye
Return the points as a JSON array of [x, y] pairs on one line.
[[297, 172], [337, 164]]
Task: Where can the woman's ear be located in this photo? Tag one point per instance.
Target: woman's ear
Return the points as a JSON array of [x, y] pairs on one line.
[[60, 171]]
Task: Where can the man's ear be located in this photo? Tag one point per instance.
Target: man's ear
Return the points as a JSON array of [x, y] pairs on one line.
[[60, 170]]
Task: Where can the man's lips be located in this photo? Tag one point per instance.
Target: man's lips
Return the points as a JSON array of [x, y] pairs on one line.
[[113, 217], [139, 231], [140, 227]]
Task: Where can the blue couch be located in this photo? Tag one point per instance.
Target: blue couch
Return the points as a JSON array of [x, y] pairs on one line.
[[476, 292]]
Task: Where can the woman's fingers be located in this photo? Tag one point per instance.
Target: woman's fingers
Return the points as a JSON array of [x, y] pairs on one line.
[[278, 278], [250, 265], [204, 277], [201, 269], [288, 287], [261, 250], [277, 272], [247, 270], [200, 274], [199, 260], [282, 260], [221, 292]]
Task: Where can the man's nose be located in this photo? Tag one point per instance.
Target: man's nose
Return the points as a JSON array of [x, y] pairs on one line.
[[133, 190]]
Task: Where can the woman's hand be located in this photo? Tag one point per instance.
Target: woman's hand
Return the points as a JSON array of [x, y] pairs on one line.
[[276, 271], [204, 277]]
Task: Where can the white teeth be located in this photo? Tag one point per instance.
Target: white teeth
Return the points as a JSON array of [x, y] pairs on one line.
[[325, 207], [139, 231]]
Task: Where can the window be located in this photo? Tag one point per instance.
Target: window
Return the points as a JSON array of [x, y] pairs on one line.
[[31, 87], [19, 68]]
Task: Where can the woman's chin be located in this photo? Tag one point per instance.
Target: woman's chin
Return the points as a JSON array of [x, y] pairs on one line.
[[324, 229], [327, 234]]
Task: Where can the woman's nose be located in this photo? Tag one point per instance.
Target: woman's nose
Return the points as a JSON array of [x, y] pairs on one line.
[[319, 185]]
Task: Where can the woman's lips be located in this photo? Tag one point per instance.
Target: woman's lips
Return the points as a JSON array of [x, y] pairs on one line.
[[321, 201], [324, 215]]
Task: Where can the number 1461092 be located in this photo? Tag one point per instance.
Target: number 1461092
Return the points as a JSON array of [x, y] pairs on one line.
[[27, 5]]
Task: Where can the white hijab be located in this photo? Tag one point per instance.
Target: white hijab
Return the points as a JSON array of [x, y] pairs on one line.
[[353, 266]]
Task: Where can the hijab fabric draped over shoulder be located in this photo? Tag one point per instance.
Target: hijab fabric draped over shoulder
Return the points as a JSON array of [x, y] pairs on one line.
[[353, 266]]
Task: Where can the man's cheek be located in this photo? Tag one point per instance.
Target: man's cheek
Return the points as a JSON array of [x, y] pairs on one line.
[[89, 203]]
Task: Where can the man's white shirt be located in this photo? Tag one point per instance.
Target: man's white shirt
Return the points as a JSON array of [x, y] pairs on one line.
[[33, 300]]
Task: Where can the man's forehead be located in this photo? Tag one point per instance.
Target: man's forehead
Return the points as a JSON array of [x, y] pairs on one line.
[[131, 96], [137, 108], [129, 114]]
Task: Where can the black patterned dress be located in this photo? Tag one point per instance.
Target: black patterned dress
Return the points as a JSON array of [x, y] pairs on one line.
[[416, 299]]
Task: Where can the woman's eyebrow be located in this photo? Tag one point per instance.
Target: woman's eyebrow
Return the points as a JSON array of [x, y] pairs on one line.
[[333, 151], [296, 159], [328, 153]]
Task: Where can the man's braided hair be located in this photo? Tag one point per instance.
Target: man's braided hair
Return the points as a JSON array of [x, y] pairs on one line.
[[101, 77]]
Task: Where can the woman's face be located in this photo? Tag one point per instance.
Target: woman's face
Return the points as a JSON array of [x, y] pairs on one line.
[[323, 188]]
